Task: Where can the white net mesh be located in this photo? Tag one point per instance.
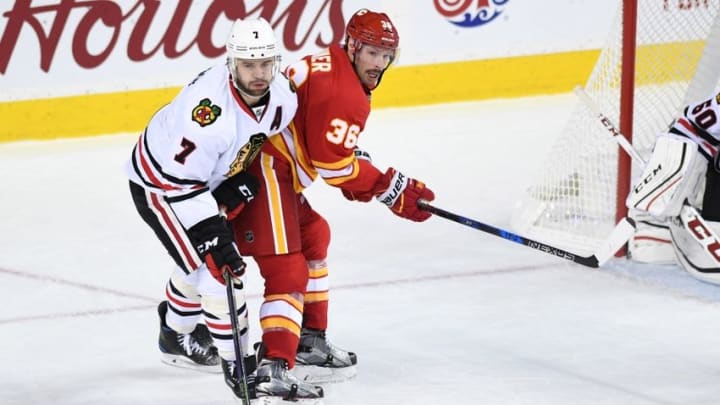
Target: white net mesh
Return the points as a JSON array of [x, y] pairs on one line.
[[677, 60]]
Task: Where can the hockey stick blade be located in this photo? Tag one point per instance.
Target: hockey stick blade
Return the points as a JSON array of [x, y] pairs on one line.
[[618, 237]]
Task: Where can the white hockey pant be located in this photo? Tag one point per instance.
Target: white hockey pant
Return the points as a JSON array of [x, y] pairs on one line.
[[200, 287], [651, 242]]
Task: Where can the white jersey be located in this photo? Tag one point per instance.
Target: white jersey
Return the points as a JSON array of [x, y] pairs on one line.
[[205, 135], [701, 123]]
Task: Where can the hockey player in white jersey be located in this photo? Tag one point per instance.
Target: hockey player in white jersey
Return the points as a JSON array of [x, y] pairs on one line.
[[680, 186], [187, 167]]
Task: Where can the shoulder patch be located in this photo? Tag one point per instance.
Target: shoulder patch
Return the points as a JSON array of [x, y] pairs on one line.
[[205, 113]]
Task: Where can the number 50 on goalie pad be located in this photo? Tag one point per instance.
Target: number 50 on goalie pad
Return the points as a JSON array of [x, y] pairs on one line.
[[670, 177]]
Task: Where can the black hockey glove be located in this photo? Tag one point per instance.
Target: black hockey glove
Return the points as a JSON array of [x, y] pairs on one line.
[[236, 191], [214, 242]]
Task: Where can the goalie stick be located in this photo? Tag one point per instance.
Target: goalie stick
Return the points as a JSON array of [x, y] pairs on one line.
[[700, 230], [622, 232], [606, 122]]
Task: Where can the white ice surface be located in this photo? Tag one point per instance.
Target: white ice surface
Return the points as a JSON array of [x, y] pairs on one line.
[[438, 313]]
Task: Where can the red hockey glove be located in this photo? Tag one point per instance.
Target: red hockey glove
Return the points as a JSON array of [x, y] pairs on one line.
[[214, 241], [236, 191], [401, 194]]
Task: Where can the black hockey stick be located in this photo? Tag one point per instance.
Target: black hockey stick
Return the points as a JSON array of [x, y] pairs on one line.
[[622, 232], [237, 345]]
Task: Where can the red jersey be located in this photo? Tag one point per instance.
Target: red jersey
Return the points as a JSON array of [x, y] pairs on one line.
[[333, 107]]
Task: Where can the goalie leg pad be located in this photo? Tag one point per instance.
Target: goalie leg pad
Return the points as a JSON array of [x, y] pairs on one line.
[[697, 245], [671, 176], [651, 242]]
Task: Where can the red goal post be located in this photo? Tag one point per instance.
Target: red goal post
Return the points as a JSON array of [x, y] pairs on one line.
[[658, 56]]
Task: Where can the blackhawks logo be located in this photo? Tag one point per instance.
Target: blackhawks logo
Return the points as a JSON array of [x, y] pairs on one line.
[[205, 113], [246, 154]]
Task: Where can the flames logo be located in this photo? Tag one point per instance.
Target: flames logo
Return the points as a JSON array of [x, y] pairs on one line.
[[469, 13]]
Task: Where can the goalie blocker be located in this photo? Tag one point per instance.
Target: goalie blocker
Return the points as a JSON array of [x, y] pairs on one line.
[[669, 178]]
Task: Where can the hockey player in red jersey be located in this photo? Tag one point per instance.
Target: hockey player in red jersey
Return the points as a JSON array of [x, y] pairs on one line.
[[285, 236]]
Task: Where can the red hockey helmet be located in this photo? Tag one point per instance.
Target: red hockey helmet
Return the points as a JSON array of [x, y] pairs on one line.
[[376, 29]]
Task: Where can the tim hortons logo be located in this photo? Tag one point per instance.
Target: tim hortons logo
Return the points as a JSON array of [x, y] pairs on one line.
[[138, 18]]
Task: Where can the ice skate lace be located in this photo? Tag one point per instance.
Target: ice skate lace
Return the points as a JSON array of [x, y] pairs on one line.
[[191, 345]]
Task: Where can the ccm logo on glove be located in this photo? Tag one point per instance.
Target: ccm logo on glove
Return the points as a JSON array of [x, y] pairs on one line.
[[214, 241], [204, 247]]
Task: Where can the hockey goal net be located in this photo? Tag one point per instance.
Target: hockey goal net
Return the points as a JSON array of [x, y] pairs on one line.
[[675, 58]]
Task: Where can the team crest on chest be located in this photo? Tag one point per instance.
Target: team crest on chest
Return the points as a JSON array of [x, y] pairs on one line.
[[205, 113], [247, 154]]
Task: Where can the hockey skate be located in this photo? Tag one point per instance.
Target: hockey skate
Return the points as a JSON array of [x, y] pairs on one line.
[[274, 384], [193, 350], [231, 376], [319, 361]]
